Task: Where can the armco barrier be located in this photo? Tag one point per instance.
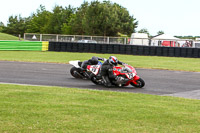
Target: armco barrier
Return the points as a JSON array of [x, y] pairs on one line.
[[125, 49], [24, 45]]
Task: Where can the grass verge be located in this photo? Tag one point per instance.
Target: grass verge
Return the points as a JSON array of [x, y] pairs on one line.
[[56, 109], [153, 62], [4, 36]]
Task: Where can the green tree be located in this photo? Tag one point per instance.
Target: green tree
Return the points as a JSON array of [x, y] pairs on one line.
[[66, 29], [77, 20], [95, 18], [59, 20], [104, 18], [1, 26], [16, 25], [126, 22], [160, 32], [68, 14], [39, 21], [144, 30]]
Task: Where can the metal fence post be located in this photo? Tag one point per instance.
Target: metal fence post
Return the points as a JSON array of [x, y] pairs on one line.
[[125, 40], [19, 37], [56, 38], [40, 37], [24, 36], [142, 42]]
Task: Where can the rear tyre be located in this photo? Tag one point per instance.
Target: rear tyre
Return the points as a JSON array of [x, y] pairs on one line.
[[139, 83], [74, 72]]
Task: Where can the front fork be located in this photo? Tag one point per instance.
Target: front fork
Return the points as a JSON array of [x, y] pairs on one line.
[[135, 79]]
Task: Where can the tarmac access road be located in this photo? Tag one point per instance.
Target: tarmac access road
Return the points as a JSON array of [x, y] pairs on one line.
[[158, 82]]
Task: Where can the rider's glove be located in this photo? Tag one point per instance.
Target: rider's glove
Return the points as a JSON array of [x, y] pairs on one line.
[[124, 64]]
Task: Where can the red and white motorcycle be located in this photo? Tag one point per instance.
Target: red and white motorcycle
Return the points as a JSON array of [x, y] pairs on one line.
[[77, 72], [126, 72]]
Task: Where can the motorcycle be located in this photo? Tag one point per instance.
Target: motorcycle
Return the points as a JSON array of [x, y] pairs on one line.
[[127, 73], [77, 72]]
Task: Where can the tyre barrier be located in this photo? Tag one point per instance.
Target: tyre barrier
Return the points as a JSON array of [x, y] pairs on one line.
[[125, 49]]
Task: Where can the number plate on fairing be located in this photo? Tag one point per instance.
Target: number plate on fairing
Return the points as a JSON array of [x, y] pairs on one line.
[[95, 69], [130, 75]]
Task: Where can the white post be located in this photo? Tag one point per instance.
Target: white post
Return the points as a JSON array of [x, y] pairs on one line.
[[108, 40], [125, 40], [142, 42], [40, 37], [19, 37], [56, 38]]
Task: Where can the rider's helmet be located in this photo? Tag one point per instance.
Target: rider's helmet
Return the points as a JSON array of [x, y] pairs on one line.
[[113, 60], [93, 61]]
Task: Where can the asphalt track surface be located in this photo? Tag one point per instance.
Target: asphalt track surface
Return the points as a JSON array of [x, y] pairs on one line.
[[158, 82]]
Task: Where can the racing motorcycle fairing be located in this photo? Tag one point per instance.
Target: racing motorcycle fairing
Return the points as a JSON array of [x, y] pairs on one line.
[[127, 72], [94, 68], [75, 63]]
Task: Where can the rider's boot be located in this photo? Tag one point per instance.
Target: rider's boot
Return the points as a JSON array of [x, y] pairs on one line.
[[106, 81]]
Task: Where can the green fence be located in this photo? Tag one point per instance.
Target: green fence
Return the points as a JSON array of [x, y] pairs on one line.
[[24, 45]]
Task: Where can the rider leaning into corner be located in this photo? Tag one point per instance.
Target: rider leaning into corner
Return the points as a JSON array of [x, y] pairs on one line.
[[92, 61], [107, 71]]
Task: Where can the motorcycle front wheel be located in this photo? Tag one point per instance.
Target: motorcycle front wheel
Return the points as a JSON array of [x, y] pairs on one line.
[[139, 83]]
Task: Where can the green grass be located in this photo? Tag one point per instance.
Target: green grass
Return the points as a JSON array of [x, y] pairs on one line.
[[4, 36], [55, 109], [153, 62]]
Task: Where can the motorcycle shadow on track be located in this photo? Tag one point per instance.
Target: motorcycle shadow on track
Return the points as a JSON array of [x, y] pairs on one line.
[[86, 83], [118, 87]]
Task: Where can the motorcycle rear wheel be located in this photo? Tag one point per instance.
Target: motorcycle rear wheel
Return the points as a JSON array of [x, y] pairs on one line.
[[140, 83], [74, 72]]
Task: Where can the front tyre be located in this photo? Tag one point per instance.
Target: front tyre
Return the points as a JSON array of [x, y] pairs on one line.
[[138, 83]]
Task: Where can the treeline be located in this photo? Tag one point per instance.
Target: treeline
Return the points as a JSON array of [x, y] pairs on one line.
[[94, 18], [188, 37]]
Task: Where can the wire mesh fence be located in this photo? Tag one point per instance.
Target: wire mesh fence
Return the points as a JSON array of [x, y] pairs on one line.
[[74, 38], [111, 40]]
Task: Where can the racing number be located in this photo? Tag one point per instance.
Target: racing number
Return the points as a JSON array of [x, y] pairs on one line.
[[130, 75], [94, 68]]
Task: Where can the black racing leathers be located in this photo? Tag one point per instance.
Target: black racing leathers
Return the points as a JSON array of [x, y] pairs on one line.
[[107, 72], [92, 61]]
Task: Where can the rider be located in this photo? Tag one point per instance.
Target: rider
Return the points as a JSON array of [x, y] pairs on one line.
[[107, 70], [92, 61]]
